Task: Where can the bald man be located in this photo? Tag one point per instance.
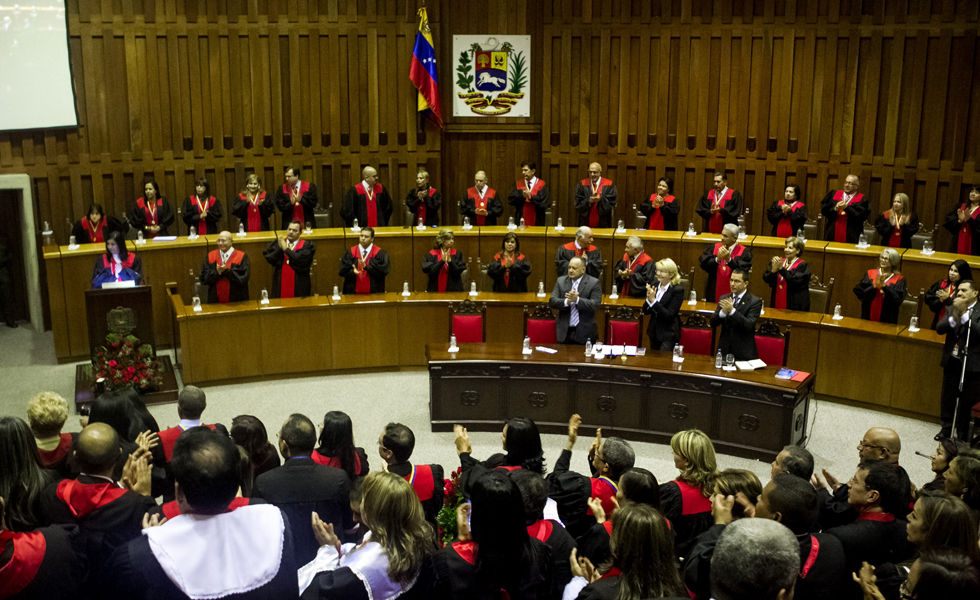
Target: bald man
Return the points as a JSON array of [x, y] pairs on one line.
[[368, 202], [595, 199], [845, 212], [296, 199], [226, 272], [481, 204]]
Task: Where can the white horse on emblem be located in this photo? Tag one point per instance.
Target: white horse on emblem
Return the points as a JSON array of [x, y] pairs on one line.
[[488, 78]]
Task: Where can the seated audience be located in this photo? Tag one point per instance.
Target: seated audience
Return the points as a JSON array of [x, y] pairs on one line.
[[520, 441], [46, 414], [882, 290], [494, 557], [388, 564], [250, 433], [301, 486], [685, 500], [946, 451], [534, 491], [191, 402], [732, 482], [937, 574], [963, 480], [125, 412], [755, 559], [635, 485], [395, 446], [22, 480], [795, 460], [336, 446]]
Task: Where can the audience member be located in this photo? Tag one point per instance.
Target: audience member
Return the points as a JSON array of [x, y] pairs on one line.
[[336, 446], [685, 500], [521, 442], [946, 451], [301, 486], [963, 480], [938, 574], [46, 414], [395, 446], [635, 485], [22, 480], [795, 460], [534, 491], [732, 482], [249, 433], [191, 402], [126, 413], [755, 559], [388, 564]]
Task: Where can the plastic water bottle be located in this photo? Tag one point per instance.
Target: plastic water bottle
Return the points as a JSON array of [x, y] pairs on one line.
[[541, 293], [559, 226], [193, 232], [690, 229], [473, 291], [800, 234], [510, 224], [405, 291], [837, 312], [139, 237], [615, 292], [588, 347], [336, 292], [265, 297], [196, 303], [452, 343], [421, 224], [241, 230], [694, 298], [466, 223], [621, 226], [522, 223], [719, 361], [527, 343], [354, 227]]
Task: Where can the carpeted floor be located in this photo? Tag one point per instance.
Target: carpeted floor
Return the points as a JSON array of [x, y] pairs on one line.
[[28, 366]]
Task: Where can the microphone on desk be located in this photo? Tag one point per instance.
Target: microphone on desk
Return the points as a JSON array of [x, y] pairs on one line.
[[923, 455]]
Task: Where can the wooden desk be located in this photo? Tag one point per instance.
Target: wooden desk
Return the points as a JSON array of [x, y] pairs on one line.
[[922, 270], [917, 376], [648, 398], [870, 347]]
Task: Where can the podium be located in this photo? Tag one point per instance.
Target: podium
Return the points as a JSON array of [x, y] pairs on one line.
[[98, 303]]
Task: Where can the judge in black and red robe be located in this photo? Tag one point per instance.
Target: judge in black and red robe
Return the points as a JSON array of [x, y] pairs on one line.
[[789, 278], [719, 260], [56, 458], [444, 264], [897, 225], [117, 264], [941, 294], [296, 199], [365, 266], [635, 270], [882, 290], [424, 202], [95, 226], [661, 208], [253, 206], [964, 223], [530, 197], [368, 202], [845, 212], [787, 215], [226, 272], [719, 206], [395, 446], [688, 510], [595, 199], [202, 210], [509, 269], [191, 403], [481, 204], [151, 213], [46, 563], [582, 246], [292, 258]]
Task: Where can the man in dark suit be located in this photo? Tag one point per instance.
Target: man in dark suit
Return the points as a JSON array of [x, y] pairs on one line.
[[576, 296], [737, 314], [955, 328], [301, 487]]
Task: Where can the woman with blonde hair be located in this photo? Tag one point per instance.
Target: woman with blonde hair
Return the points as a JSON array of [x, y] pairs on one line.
[[664, 304], [253, 207], [444, 264], [387, 563], [897, 225], [882, 290], [686, 500]]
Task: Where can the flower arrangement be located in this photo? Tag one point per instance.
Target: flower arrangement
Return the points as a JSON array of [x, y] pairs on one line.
[[452, 498], [124, 362]]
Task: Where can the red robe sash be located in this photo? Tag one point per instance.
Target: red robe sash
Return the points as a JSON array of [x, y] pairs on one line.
[[508, 467], [964, 243], [594, 208], [298, 213], [881, 517], [172, 509], [642, 259], [481, 203], [334, 461], [812, 558], [605, 490], [528, 212], [880, 295], [150, 216], [370, 201], [202, 224], [422, 207], [254, 218], [444, 271], [895, 239], [692, 500], [83, 498], [541, 530], [111, 264], [95, 236], [571, 247], [942, 309], [50, 457], [716, 222], [422, 481], [287, 284], [223, 285], [724, 274], [840, 226], [785, 229], [500, 257], [466, 551], [612, 572], [363, 281], [657, 218], [781, 285], [19, 572]]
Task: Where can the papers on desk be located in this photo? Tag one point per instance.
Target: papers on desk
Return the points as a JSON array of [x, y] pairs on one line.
[[604, 351], [114, 285], [546, 350], [165, 238], [750, 365]]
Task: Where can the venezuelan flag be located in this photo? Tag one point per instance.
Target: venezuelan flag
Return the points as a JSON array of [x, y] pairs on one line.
[[423, 71]]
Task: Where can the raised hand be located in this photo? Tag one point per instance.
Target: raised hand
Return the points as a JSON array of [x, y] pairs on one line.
[[462, 440], [597, 511], [154, 521], [324, 533], [573, 424]]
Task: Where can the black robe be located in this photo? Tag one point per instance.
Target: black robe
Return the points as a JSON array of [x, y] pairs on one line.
[[355, 206], [971, 226], [432, 264], [874, 542], [709, 265], [432, 202], [236, 277], [797, 282], [605, 207], [519, 272], [796, 218], [935, 304], [554, 535], [299, 260], [307, 202], [567, 252], [191, 214], [377, 269], [730, 212], [669, 211], [449, 576], [688, 523], [540, 202], [82, 235], [494, 207], [885, 229], [58, 568], [102, 274], [642, 275], [892, 296], [164, 219], [856, 213], [240, 208]]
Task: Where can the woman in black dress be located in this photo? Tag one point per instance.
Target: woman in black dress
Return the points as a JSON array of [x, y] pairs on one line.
[[151, 213], [444, 264], [942, 293], [789, 278], [882, 290], [509, 269], [663, 304], [788, 215], [202, 210]]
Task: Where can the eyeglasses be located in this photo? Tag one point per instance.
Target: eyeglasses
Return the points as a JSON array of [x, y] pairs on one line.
[[864, 444]]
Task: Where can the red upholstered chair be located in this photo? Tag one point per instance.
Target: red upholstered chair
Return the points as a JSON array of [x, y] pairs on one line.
[[773, 345], [539, 325], [623, 327], [468, 322], [697, 335]]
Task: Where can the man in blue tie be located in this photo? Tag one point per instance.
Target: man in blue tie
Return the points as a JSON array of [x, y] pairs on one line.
[[737, 313], [576, 296]]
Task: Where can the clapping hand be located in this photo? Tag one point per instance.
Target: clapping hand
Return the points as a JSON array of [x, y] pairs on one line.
[[724, 254], [154, 521], [463, 521], [137, 474], [582, 567], [572, 296], [868, 582], [283, 244], [840, 205], [596, 444], [942, 294], [726, 305], [324, 533], [573, 424], [787, 208], [775, 263], [658, 202], [651, 294], [462, 440]]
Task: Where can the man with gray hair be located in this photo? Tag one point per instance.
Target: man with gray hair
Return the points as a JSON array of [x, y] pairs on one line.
[[191, 402], [582, 247], [635, 271], [719, 260], [755, 559], [595, 199]]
